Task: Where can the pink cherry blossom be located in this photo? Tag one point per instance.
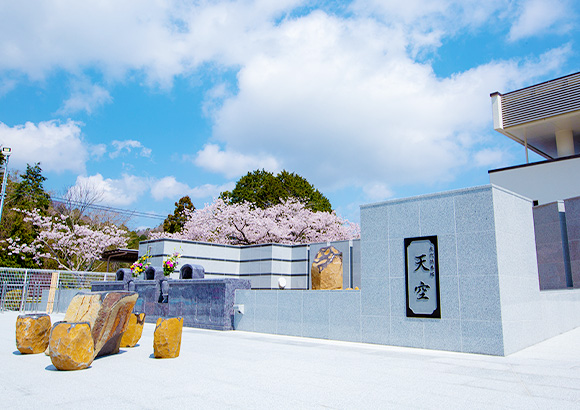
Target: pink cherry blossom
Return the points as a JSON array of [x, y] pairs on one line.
[[242, 224], [73, 246]]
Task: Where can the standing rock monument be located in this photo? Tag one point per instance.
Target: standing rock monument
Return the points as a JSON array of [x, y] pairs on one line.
[[326, 271]]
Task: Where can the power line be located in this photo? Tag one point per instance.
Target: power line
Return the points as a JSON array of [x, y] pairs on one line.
[[126, 212]]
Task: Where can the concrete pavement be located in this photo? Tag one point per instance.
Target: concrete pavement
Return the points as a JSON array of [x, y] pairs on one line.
[[242, 370]]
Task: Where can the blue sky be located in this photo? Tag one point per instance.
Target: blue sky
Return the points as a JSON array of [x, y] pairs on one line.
[[147, 101]]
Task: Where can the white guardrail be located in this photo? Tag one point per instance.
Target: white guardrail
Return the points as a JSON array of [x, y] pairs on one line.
[[41, 290]]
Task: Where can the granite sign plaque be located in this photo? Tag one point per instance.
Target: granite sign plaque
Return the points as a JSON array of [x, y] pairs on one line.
[[422, 277]]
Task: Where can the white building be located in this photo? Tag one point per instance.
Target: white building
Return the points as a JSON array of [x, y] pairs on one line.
[[543, 118]]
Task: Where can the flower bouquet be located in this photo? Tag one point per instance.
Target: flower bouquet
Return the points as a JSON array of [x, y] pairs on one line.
[[170, 264], [140, 265]]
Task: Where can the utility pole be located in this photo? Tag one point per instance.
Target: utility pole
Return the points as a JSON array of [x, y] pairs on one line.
[[6, 152]]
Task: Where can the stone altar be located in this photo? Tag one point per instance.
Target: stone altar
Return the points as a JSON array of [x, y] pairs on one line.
[[202, 303]]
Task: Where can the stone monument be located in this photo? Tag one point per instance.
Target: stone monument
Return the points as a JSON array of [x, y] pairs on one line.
[[326, 269]]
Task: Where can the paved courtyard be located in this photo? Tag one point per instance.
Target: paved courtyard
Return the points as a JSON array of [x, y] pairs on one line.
[[251, 371]]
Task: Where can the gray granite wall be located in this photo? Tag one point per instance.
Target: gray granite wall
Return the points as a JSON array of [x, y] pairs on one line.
[[572, 206], [551, 245], [471, 316], [529, 315], [470, 313], [490, 297]]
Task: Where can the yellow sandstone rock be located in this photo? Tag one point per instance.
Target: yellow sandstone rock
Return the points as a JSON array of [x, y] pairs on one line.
[[71, 346], [326, 271], [108, 315], [167, 337], [84, 307], [134, 330], [32, 333]]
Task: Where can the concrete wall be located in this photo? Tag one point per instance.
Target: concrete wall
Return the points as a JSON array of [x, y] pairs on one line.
[[572, 207], [546, 181], [468, 275], [263, 265], [552, 246], [490, 297], [321, 314], [529, 315]]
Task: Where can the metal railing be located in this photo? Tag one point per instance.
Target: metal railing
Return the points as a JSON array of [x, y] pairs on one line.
[[37, 290], [554, 97]]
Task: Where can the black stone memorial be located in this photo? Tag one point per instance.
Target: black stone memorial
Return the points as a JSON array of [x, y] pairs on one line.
[[422, 277]]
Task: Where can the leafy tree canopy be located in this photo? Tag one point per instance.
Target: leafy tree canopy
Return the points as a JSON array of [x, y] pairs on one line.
[[174, 223], [24, 191], [29, 192], [264, 190]]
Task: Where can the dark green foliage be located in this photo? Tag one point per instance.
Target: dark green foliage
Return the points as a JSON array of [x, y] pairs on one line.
[[135, 238], [24, 192], [174, 223], [263, 189], [29, 193]]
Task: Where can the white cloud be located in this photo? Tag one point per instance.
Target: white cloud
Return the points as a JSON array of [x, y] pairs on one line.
[[98, 150], [7, 85], [57, 146], [489, 157], [169, 187], [210, 190], [214, 98], [538, 16], [164, 39], [335, 100], [233, 164], [318, 94], [425, 23], [117, 192], [85, 97], [377, 191], [129, 189], [161, 38], [126, 146]]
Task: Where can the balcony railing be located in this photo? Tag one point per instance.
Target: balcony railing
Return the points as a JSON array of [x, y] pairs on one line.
[[555, 97]]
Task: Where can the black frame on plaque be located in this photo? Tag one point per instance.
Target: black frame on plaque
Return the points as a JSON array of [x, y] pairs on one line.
[[437, 312]]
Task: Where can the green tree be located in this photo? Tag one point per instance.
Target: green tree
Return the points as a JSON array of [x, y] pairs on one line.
[[135, 237], [174, 223], [264, 190], [24, 191], [29, 192]]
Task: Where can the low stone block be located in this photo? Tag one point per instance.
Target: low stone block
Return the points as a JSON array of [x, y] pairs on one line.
[[32, 333], [326, 271], [107, 314], [71, 346], [167, 337], [134, 330], [189, 271]]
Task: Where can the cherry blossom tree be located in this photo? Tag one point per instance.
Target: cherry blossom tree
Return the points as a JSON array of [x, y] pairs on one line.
[[242, 224], [73, 246]]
